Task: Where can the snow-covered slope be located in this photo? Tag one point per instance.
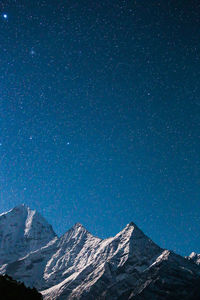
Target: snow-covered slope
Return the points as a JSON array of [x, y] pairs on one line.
[[104, 264], [80, 266], [127, 266], [22, 230], [194, 257]]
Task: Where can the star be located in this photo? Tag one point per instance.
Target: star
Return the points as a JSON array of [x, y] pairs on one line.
[[32, 52], [94, 95]]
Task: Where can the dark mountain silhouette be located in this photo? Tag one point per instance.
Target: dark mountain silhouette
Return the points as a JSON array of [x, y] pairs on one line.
[[11, 289]]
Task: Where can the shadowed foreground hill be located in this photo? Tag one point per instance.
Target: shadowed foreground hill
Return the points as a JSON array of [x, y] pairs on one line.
[[12, 290]]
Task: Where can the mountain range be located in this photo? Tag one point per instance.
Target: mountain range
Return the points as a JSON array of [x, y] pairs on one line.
[[80, 266]]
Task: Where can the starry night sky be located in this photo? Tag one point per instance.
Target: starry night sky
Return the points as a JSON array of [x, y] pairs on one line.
[[100, 115]]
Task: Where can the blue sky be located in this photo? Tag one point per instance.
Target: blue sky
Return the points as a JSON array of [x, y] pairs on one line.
[[100, 115]]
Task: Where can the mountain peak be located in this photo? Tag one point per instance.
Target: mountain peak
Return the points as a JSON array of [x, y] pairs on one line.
[[21, 207], [78, 225], [131, 225], [195, 257], [22, 230]]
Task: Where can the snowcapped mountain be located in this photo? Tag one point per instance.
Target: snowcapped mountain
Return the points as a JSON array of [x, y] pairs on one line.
[[22, 230], [80, 266], [194, 257]]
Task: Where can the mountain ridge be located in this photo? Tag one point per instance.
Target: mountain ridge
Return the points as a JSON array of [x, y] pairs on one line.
[[78, 265]]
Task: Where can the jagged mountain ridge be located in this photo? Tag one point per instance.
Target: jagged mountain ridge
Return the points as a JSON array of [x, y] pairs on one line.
[[80, 266]]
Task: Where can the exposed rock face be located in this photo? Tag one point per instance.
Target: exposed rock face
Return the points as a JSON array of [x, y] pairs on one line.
[[194, 257], [22, 230], [80, 266]]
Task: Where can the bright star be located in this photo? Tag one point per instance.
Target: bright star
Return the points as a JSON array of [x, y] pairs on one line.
[[5, 16], [32, 52]]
